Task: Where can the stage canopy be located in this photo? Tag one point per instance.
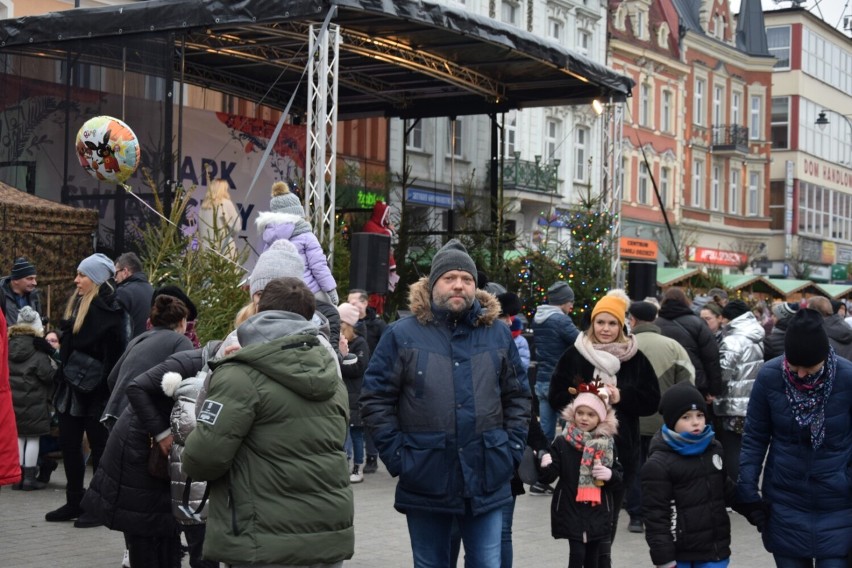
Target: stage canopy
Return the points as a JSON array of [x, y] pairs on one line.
[[405, 58]]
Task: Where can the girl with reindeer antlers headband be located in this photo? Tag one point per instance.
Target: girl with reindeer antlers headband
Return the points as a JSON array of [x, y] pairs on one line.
[[584, 459], [604, 353]]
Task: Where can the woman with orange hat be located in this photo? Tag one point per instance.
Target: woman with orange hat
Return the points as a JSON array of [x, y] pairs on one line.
[[605, 353]]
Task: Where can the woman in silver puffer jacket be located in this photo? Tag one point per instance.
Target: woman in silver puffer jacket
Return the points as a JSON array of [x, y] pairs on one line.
[[741, 354]]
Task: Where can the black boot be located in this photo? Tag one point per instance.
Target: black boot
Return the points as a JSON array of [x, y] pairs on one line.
[[372, 464], [69, 511], [30, 483], [47, 467]]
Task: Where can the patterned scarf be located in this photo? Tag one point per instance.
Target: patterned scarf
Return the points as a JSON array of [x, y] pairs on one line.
[[686, 443], [605, 357], [807, 396], [592, 447]]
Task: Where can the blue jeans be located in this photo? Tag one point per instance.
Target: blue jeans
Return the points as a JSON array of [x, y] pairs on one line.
[[506, 551], [716, 564], [357, 435], [546, 413], [791, 562], [430, 535]]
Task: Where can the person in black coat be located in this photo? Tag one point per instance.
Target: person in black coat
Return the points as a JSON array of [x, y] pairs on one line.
[[685, 486], [604, 352], [96, 328], [354, 358], [123, 495], [584, 459], [134, 292], [677, 320]]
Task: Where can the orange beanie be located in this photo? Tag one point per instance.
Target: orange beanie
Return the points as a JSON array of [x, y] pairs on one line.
[[611, 305]]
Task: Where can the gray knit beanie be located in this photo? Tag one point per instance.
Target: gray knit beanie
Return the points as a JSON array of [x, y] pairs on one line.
[[98, 267], [285, 202], [559, 293], [451, 256], [279, 260], [30, 317]]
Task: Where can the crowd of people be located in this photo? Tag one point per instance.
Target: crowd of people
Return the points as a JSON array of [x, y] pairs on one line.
[[247, 447]]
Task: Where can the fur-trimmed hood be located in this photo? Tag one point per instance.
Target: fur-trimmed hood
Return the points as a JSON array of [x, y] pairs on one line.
[[23, 329], [608, 427], [267, 218], [486, 307]]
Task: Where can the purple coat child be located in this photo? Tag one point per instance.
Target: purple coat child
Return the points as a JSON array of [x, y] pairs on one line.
[[286, 221]]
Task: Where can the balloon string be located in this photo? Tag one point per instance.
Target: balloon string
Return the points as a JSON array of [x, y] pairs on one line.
[[129, 190]]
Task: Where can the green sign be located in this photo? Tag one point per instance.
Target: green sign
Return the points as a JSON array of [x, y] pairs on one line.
[[366, 199], [838, 272]]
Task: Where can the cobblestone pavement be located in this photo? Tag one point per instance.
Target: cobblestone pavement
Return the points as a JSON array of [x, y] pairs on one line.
[[26, 540]]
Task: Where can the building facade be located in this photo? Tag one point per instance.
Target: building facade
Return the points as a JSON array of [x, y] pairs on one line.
[[699, 125], [811, 170]]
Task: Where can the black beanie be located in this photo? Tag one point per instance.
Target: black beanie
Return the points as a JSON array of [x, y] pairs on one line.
[[643, 311], [22, 268], [176, 292], [734, 309], [451, 256], [510, 304], [806, 343], [677, 400]]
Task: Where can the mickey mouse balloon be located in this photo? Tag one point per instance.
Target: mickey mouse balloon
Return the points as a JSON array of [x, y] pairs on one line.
[[108, 149]]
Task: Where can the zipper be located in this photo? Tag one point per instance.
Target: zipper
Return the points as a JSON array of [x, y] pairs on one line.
[[232, 505]]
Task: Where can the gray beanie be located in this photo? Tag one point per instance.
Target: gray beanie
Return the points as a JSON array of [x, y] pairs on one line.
[[784, 310], [30, 317], [559, 293], [22, 268], [98, 267], [451, 256], [285, 202], [279, 260]]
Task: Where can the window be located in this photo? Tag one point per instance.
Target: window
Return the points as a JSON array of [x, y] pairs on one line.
[[645, 105], [509, 12], [639, 28], [454, 138], [552, 137], [642, 192], [753, 208], [511, 132], [697, 182], [555, 29], [754, 130], [415, 135], [666, 112], [778, 41], [734, 191], [665, 175], [584, 41], [698, 108], [780, 123], [716, 188], [736, 97], [581, 141], [718, 108]]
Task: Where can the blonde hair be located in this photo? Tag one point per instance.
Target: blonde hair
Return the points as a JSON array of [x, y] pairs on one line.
[[245, 313], [217, 192], [590, 333], [347, 331], [82, 303]]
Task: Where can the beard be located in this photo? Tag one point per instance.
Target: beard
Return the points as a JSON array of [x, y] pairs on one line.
[[451, 303]]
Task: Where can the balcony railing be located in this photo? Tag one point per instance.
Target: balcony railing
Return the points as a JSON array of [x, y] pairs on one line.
[[530, 175], [730, 138]]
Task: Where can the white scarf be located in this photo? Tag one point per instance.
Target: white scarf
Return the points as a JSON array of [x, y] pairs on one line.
[[606, 364]]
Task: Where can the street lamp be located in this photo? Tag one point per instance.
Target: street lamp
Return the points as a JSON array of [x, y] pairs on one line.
[[822, 120]]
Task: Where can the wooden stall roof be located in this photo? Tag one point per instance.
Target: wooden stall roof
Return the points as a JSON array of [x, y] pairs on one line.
[[836, 291], [670, 276]]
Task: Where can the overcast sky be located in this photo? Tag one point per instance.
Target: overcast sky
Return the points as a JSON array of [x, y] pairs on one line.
[[829, 10]]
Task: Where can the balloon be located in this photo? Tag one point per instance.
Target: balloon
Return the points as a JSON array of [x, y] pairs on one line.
[[108, 149]]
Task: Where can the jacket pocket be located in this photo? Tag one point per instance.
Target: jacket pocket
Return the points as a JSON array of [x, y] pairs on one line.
[[499, 466], [423, 466]]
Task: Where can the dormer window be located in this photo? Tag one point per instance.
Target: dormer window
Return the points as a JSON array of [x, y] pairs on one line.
[[639, 23], [663, 35]]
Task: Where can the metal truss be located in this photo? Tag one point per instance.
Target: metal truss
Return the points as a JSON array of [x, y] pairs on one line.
[[321, 159], [423, 62], [612, 184]]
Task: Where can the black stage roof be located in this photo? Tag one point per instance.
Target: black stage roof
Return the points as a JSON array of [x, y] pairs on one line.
[[404, 58]]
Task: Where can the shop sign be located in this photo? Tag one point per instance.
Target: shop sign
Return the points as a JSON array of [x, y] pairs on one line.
[[641, 249], [829, 252], [844, 255], [718, 257], [432, 198]]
